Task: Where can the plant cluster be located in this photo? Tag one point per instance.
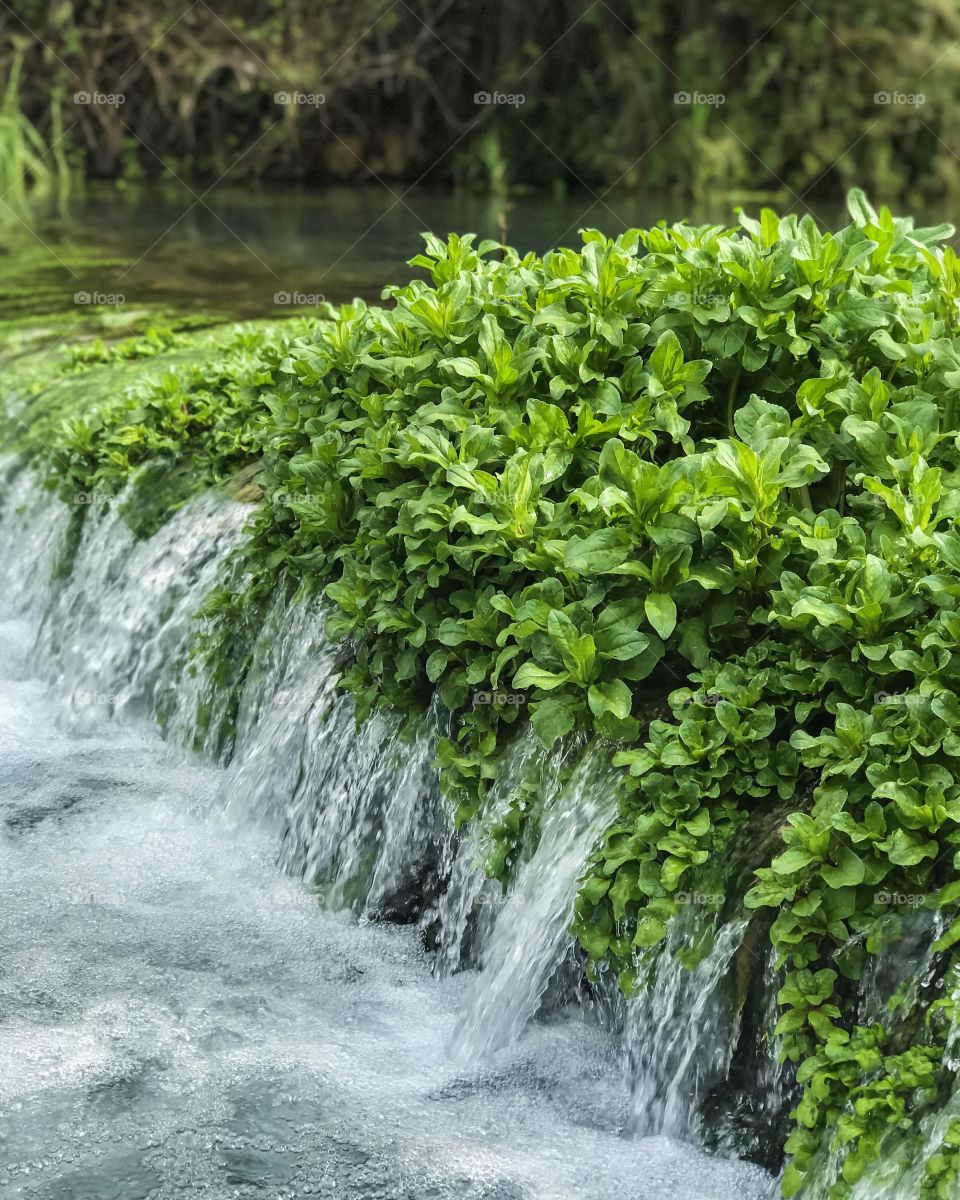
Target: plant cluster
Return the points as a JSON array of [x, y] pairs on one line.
[[188, 426], [692, 491]]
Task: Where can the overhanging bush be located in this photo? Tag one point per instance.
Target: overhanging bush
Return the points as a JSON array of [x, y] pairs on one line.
[[718, 466]]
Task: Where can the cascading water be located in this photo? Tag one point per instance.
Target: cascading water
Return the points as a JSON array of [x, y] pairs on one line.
[[771, 1086], [468, 908], [530, 932], [32, 529], [180, 1019], [359, 808], [118, 628], [682, 1030]]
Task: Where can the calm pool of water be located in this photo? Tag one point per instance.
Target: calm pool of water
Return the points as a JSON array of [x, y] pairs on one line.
[[253, 253]]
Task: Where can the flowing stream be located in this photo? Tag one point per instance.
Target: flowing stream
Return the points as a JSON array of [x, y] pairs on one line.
[[180, 1014]]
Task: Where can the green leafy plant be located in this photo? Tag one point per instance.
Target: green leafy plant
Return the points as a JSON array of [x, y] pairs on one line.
[[690, 491]]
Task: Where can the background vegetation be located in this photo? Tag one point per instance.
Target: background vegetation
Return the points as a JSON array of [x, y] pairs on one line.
[[799, 114]]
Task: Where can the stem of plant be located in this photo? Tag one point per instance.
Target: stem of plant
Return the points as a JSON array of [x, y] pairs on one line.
[[731, 398]]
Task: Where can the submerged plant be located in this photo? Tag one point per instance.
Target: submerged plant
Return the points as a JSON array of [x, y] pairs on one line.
[[692, 491]]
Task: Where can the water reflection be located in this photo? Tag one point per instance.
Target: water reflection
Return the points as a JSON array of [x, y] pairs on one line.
[[250, 253]]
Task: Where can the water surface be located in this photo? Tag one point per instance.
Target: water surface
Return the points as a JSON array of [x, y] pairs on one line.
[[180, 1019], [260, 251]]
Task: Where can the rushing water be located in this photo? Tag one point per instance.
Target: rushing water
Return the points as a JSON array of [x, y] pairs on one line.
[[525, 944], [681, 1035], [179, 1015]]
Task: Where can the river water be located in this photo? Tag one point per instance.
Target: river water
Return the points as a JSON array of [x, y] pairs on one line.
[[272, 251], [179, 1017]]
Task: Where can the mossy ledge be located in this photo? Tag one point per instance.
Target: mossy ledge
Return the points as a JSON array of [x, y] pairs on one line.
[[692, 493]]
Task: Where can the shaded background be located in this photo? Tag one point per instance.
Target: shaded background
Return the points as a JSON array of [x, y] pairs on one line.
[[598, 79], [338, 129]]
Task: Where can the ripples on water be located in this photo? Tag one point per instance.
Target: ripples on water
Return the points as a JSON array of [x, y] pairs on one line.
[[180, 1018]]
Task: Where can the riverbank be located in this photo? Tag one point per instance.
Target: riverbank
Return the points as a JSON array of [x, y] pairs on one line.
[[637, 568]]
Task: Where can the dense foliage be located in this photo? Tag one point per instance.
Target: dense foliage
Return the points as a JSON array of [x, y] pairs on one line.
[[693, 491], [799, 86]]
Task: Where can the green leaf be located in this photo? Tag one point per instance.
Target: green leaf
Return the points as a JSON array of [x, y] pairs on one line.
[[552, 719], [859, 207], [530, 675], [848, 872], [792, 860], [661, 612], [649, 931], [597, 553], [577, 650], [613, 696]]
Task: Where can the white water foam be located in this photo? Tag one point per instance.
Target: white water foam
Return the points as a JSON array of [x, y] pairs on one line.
[[358, 818]]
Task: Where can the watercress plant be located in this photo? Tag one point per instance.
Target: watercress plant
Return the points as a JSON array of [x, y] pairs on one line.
[[690, 491]]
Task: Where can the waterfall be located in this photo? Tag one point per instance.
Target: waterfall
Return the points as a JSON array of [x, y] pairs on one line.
[[32, 530], [358, 810], [682, 1030], [530, 934], [180, 1019], [468, 908], [771, 1085], [356, 814], [117, 629]]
